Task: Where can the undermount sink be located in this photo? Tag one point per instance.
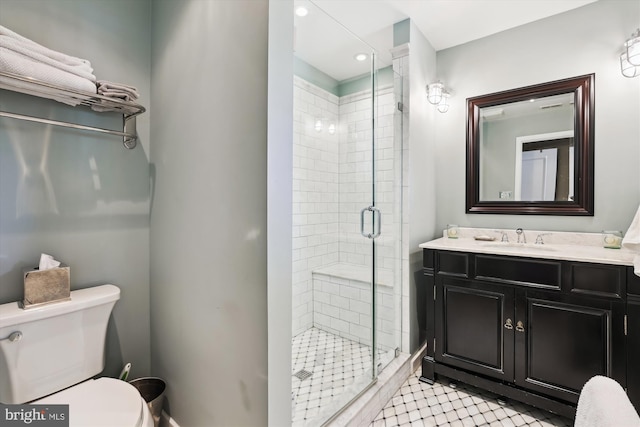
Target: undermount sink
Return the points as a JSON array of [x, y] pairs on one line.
[[517, 246]]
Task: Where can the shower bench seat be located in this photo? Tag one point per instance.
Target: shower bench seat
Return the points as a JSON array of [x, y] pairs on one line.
[[342, 298]]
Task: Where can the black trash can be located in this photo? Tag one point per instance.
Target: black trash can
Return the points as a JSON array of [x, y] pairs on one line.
[[152, 391]]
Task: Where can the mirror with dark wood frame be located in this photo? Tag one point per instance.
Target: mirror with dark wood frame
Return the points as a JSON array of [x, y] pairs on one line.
[[530, 150]]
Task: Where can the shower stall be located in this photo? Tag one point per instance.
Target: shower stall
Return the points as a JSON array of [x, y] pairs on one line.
[[347, 218]]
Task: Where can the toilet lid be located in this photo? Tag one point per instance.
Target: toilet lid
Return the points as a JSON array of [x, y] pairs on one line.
[[105, 402]]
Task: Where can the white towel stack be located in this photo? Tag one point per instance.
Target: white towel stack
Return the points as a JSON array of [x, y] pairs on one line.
[[116, 92], [21, 56], [631, 241]]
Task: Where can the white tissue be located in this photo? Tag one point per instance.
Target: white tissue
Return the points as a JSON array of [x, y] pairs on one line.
[[631, 241], [636, 265], [47, 262]]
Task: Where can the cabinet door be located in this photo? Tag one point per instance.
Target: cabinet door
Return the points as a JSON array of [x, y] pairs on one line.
[[474, 326], [561, 342], [633, 351]]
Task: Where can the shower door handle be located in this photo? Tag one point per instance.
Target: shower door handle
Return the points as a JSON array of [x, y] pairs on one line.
[[377, 229]]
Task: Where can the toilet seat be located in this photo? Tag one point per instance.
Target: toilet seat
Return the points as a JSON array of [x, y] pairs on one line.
[[104, 402]]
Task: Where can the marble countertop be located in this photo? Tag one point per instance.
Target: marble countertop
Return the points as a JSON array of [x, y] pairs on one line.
[[583, 247]]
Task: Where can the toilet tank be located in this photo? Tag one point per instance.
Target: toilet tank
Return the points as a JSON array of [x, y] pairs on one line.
[[62, 344]]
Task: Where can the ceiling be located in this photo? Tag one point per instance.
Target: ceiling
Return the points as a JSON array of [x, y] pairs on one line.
[[328, 46]]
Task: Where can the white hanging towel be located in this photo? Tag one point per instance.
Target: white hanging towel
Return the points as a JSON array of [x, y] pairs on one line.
[[603, 403], [631, 241]]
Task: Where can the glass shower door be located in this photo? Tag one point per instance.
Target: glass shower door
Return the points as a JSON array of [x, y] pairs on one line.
[[339, 201], [381, 220]]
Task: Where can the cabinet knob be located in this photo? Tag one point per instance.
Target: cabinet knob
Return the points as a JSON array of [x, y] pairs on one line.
[[520, 326], [508, 324]]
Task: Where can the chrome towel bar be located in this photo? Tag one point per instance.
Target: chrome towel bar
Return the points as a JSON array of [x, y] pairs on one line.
[[129, 138]]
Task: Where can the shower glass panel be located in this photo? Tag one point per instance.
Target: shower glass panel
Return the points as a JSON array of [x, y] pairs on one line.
[[347, 182], [387, 179]]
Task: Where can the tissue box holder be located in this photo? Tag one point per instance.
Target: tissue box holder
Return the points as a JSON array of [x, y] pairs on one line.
[[46, 286]]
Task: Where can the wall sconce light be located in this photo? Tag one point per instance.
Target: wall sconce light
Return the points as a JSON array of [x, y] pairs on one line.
[[630, 57], [633, 48], [443, 105], [438, 95], [434, 92], [318, 125]]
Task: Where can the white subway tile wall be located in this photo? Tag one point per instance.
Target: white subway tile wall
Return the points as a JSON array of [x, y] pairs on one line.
[[315, 193], [332, 182]]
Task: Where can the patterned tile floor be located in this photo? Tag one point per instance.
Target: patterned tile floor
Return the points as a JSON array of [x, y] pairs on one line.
[[420, 404], [339, 369]]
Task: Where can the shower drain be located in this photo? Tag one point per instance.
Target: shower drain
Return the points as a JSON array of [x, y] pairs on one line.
[[302, 374]]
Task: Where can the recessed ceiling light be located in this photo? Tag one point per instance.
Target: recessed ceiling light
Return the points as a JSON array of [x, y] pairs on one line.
[[302, 11], [360, 56]]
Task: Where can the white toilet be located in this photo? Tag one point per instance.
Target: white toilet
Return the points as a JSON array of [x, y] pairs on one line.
[[55, 349]]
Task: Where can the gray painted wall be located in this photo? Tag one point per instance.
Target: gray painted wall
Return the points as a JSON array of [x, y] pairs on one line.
[[209, 214], [419, 191], [88, 204], [344, 87], [583, 41]]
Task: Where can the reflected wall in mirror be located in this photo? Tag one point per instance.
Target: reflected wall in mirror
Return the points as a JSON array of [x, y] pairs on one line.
[[530, 150]]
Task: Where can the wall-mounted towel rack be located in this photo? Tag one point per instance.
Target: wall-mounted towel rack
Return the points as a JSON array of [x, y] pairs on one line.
[[30, 86]]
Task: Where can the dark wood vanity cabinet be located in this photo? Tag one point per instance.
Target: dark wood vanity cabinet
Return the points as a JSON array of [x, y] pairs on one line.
[[469, 327], [566, 341], [534, 330]]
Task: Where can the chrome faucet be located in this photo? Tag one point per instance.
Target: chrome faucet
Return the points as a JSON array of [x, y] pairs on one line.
[[505, 237], [520, 232]]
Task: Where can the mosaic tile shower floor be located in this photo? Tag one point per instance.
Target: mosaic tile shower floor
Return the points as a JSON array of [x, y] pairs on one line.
[[332, 369]]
